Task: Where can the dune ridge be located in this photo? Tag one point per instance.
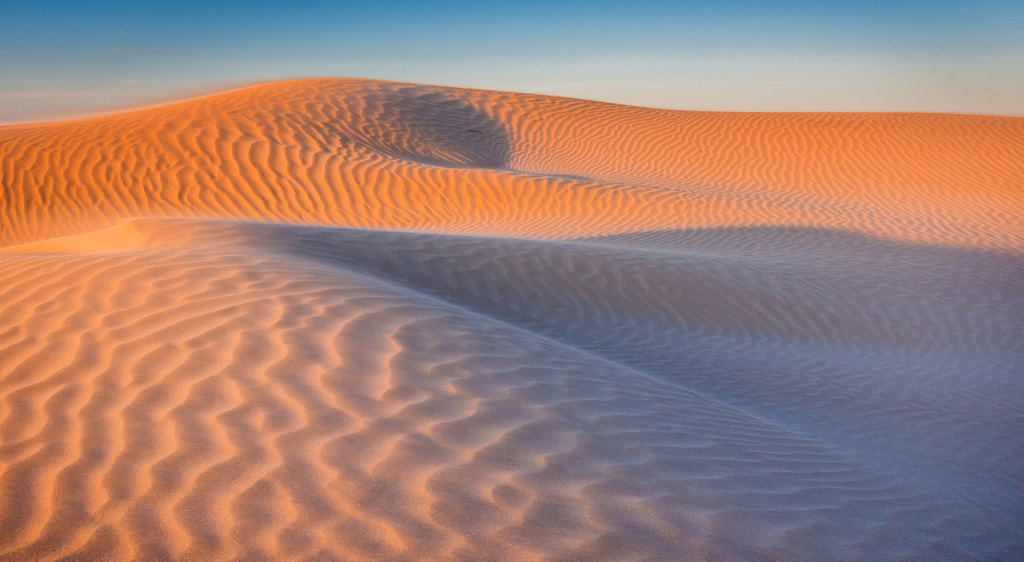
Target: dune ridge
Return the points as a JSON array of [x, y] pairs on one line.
[[384, 155], [345, 319]]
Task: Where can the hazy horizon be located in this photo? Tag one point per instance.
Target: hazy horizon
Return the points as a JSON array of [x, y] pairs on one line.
[[64, 60]]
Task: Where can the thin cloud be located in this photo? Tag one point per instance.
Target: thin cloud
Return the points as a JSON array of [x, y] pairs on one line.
[[52, 93]]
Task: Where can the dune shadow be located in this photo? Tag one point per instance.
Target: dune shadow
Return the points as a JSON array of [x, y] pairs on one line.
[[418, 124], [804, 242]]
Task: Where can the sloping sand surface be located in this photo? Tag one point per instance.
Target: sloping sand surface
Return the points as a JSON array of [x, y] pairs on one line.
[[341, 319]]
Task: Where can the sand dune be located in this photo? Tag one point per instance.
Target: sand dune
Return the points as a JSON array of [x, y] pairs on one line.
[[382, 155], [340, 319]]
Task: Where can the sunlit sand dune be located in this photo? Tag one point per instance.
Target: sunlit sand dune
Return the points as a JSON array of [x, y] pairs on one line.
[[340, 319], [382, 155]]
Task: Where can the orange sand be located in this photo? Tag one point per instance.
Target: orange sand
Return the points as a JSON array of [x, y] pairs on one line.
[[351, 319]]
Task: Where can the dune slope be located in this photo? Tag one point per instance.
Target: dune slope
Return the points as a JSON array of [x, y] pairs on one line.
[[343, 319]]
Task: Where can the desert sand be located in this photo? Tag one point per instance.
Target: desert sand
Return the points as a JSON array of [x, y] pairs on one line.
[[347, 319]]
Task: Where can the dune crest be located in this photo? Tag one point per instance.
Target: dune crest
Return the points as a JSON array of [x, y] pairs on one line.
[[385, 155], [121, 238], [347, 319]]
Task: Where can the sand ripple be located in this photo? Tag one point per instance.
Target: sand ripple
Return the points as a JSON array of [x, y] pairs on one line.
[[339, 319]]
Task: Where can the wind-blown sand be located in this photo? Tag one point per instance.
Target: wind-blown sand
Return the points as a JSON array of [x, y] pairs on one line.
[[352, 319]]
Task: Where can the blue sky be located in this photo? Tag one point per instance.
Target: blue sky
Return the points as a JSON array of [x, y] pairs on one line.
[[62, 58]]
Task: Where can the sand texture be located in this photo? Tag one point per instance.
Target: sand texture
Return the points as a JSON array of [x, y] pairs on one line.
[[344, 319]]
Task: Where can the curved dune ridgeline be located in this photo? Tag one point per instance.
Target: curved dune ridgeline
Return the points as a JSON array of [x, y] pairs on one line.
[[345, 319], [384, 155]]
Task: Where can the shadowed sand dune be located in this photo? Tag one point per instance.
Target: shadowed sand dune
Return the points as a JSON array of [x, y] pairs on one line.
[[341, 319]]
